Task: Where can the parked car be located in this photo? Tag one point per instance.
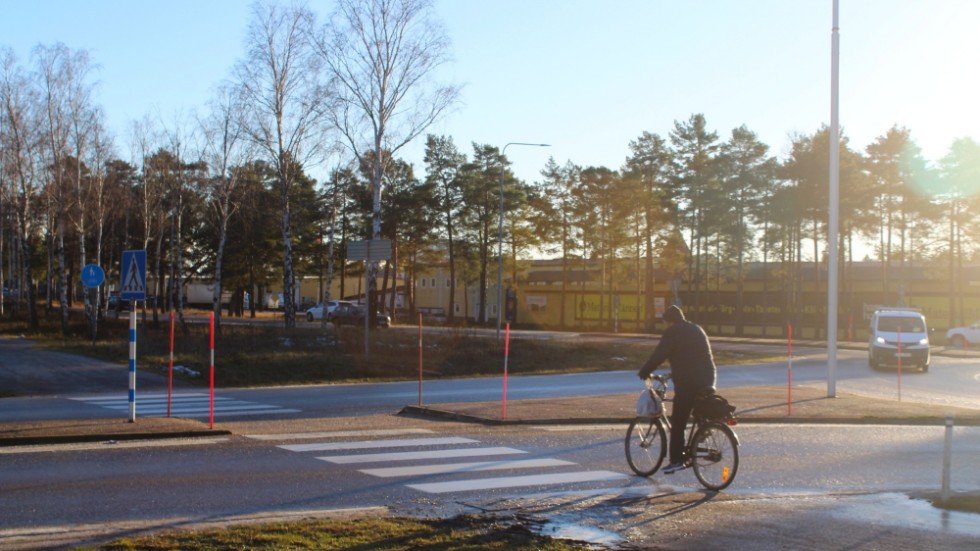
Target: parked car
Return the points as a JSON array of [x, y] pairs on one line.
[[353, 314], [113, 302], [317, 312], [962, 337], [899, 337]]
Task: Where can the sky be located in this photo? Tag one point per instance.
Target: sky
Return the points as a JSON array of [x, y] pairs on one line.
[[585, 76]]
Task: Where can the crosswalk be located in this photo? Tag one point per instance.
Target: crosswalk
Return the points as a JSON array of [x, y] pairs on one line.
[[190, 405], [436, 464]]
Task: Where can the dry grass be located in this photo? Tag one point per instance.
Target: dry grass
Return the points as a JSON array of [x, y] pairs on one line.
[[262, 355], [389, 534]]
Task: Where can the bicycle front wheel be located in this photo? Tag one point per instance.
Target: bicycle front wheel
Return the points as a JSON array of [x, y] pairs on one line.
[[646, 445], [715, 458]]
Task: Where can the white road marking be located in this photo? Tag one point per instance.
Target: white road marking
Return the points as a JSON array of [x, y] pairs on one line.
[[185, 405], [204, 408], [581, 428], [337, 434], [366, 444], [412, 456], [595, 492], [515, 481], [448, 468]]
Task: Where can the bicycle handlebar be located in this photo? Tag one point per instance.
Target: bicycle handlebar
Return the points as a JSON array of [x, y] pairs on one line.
[[658, 383]]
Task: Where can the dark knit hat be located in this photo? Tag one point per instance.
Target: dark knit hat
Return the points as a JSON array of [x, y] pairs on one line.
[[673, 314]]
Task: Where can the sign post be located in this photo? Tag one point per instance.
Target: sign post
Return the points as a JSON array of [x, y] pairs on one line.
[[92, 277], [371, 250], [133, 288]]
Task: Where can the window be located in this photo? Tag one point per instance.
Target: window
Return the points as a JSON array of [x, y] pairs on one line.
[[449, 283], [422, 282], [433, 283], [900, 323]]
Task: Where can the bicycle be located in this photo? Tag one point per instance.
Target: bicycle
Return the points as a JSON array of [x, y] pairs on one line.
[[712, 445]]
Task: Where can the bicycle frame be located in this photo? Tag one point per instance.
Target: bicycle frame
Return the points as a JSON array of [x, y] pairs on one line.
[[658, 383], [711, 446]]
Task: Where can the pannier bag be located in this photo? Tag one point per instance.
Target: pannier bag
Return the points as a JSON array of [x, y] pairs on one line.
[[713, 407], [649, 404]]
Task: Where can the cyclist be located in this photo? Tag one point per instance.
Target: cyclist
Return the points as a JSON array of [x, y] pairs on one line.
[[685, 345]]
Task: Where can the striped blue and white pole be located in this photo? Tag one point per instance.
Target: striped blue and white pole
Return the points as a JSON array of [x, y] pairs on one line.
[[132, 363]]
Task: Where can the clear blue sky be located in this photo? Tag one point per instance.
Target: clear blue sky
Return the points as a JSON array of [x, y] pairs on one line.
[[586, 76]]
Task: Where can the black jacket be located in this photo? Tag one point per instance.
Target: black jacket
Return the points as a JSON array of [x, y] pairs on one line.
[[685, 345]]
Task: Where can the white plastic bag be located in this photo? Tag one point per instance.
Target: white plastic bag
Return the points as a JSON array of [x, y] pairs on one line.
[[649, 404]]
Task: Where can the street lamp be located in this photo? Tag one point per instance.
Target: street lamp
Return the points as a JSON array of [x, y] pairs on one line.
[[500, 233]]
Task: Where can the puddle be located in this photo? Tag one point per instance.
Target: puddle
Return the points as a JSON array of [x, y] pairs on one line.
[[901, 510], [578, 532]]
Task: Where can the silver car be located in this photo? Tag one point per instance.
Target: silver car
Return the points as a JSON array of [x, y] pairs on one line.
[[317, 312]]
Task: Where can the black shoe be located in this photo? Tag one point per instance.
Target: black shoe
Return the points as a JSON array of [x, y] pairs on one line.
[[674, 467]]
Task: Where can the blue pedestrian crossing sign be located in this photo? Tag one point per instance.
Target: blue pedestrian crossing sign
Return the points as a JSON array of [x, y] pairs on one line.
[[133, 275]]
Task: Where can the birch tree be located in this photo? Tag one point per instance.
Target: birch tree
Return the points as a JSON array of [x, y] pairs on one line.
[[93, 204], [23, 150], [184, 171], [223, 151], [4, 200], [381, 56], [52, 77], [282, 99], [144, 140]]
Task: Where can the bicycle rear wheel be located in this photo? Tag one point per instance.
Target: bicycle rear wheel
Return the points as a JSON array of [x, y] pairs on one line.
[[646, 445], [715, 458]]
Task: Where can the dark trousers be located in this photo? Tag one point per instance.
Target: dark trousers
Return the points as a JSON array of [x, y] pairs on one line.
[[680, 413]]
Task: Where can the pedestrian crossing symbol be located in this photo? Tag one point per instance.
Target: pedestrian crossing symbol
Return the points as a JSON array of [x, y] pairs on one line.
[[133, 275]]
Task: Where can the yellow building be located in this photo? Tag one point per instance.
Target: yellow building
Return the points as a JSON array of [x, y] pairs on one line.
[[773, 297], [581, 296]]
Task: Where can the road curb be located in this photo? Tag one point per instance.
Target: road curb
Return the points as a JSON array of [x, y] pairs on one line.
[[105, 437], [432, 413], [446, 415]]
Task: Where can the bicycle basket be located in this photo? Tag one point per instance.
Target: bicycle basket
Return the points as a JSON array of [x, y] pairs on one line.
[[649, 404], [713, 407]]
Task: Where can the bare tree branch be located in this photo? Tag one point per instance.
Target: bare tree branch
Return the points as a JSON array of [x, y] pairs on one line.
[[380, 56]]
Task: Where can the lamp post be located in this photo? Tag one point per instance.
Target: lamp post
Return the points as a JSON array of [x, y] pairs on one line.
[[834, 206], [500, 233]]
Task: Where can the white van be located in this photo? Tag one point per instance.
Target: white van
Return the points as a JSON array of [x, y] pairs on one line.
[[884, 348]]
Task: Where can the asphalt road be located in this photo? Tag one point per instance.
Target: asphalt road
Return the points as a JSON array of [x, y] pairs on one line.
[[799, 487], [577, 480]]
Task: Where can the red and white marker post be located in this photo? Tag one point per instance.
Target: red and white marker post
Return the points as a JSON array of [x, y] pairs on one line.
[[420, 359], [170, 367], [506, 356], [212, 371], [789, 374], [898, 356]]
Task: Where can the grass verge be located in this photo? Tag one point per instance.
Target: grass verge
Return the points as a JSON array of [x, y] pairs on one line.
[[462, 533], [263, 355], [965, 502]]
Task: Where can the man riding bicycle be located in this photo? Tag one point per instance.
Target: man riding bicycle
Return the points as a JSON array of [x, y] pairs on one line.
[[685, 345]]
